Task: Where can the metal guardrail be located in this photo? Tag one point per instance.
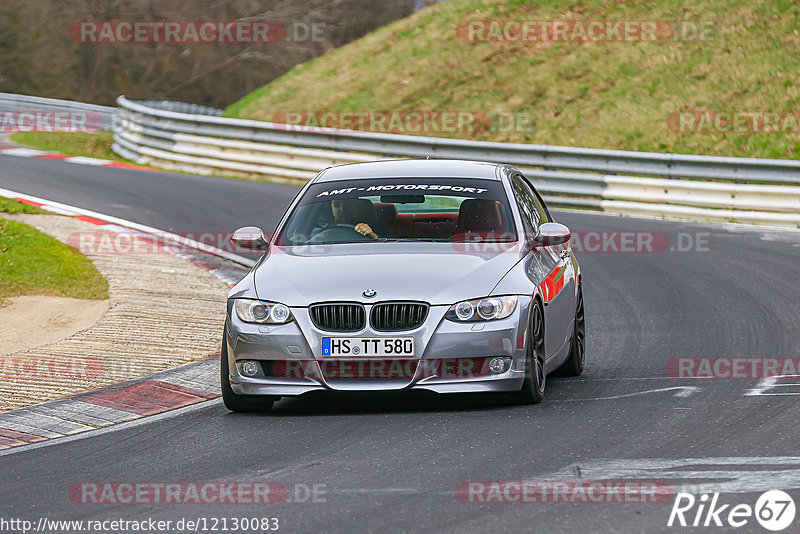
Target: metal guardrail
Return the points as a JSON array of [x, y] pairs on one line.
[[194, 138], [83, 117], [182, 107], [661, 185]]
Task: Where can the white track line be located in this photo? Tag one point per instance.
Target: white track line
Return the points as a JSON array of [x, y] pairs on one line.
[[66, 209]]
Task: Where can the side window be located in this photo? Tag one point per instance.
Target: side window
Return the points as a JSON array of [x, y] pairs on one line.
[[527, 202], [543, 211]]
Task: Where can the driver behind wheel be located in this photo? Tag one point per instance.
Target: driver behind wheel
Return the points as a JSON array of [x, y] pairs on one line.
[[351, 211]]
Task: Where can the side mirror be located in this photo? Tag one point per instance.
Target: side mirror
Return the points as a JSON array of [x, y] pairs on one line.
[[249, 237], [551, 234]]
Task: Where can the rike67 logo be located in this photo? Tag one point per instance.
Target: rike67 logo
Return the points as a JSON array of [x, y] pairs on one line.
[[774, 510]]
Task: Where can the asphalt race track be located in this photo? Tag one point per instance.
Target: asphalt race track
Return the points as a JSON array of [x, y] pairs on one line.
[[394, 463]]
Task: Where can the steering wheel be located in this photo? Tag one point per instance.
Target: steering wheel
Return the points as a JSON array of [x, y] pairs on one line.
[[339, 232]]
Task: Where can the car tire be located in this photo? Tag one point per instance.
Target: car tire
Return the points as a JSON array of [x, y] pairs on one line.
[[576, 361], [533, 386], [240, 403]]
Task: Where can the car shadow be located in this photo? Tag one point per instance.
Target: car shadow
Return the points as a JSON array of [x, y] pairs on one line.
[[322, 403], [363, 403]]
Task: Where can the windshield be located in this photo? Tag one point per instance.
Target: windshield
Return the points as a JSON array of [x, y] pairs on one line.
[[400, 209]]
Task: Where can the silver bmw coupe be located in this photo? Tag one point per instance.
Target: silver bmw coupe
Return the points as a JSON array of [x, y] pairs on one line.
[[439, 275]]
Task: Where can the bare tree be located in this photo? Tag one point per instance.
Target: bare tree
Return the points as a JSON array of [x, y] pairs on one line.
[[37, 56]]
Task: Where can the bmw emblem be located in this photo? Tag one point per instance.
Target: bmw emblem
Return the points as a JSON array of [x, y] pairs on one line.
[[369, 293]]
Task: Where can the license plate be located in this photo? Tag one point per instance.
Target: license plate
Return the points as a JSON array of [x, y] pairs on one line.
[[397, 347]]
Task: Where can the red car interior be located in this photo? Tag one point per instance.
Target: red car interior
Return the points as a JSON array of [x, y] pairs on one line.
[[475, 216]]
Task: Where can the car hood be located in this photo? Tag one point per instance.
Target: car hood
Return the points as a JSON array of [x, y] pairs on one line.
[[431, 272]]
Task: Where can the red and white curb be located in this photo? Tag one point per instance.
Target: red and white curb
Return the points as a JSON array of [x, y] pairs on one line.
[[188, 384], [24, 152], [164, 391], [228, 267]]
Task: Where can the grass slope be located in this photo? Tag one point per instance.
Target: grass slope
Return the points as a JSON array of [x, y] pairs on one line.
[[95, 145], [12, 206], [33, 263], [607, 95]]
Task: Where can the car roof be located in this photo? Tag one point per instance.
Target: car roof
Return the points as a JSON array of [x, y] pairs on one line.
[[413, 168]]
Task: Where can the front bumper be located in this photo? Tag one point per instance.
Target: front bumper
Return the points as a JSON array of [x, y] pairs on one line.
[[441, 347]]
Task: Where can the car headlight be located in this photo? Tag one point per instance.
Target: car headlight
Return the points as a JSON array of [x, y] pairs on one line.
[[485, 309], [259, 311]]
